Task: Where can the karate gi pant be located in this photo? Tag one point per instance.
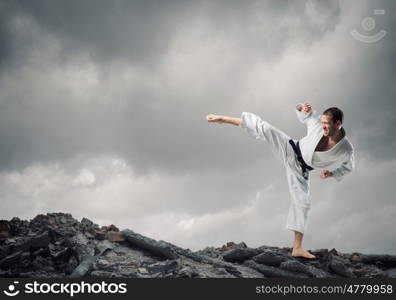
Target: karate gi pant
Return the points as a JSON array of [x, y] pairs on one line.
[[297, 219]]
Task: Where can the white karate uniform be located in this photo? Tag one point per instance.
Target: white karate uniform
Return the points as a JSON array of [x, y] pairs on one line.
[[341, 155]]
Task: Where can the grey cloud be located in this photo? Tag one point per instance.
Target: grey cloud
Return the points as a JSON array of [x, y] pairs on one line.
[[142, 30], [134, 29], [139, 32]]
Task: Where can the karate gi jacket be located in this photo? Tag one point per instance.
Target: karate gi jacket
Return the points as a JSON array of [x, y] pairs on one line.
[[343, 156]]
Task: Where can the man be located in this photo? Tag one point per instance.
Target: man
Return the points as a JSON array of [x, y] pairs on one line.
[[325, 147]]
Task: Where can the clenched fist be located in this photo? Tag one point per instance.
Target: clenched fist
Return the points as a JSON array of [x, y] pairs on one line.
[[305, 108], [325, 174], [215, 118]]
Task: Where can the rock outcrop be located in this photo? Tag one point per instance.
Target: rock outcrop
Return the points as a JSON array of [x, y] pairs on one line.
[[57, 245]]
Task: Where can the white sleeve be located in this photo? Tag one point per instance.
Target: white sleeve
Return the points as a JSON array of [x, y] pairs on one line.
[[253, 125], [311, 119], [345, 168], [303, 117]]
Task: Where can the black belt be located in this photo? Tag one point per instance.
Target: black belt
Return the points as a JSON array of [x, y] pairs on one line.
[[300, 159]]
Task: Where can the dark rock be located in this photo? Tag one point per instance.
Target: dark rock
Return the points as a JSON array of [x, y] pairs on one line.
[[163, 267], [382, 260], [375, 273], [187, 272], [53, 221], [88, 227], [62, 232], [232, 245], [356, 257], [115, 236], [273, 272], [102, 246], [19, 227], [5, 229], [43, 264], [270, 258], [86, 223], [391, 273], [41, 252], [334, 252], [100, 234], [211, 252], [39, 241], [298, 267], [111, 227], [60, 253], [157, 247], [10, 259], [57, 245], [188, 253], [341, 268], [4, 251], [71, 265], [322, 252], [239, 254], [84, 266], [25, 260]]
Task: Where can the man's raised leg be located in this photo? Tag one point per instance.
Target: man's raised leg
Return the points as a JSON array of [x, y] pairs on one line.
[[279, 142]]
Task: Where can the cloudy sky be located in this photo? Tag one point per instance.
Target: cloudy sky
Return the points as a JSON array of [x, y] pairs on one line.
[[103, 106]]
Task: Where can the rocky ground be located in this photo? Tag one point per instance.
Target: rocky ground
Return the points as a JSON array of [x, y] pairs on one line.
[[57, 245]]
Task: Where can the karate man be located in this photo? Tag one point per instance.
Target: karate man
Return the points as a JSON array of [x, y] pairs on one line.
[[325, 147]]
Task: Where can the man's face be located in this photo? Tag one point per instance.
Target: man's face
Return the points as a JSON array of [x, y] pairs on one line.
[[329, 127]]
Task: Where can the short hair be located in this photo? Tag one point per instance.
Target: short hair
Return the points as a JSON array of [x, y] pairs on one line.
[[335, 113]]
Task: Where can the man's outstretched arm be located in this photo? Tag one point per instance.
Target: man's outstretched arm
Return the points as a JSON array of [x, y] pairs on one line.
[[250, 122], [223, 119], [304, 111]]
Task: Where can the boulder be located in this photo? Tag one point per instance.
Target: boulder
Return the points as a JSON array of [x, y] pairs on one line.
[[239, 254]]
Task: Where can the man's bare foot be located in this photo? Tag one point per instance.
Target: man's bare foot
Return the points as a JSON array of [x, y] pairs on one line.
[[301, 252]]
